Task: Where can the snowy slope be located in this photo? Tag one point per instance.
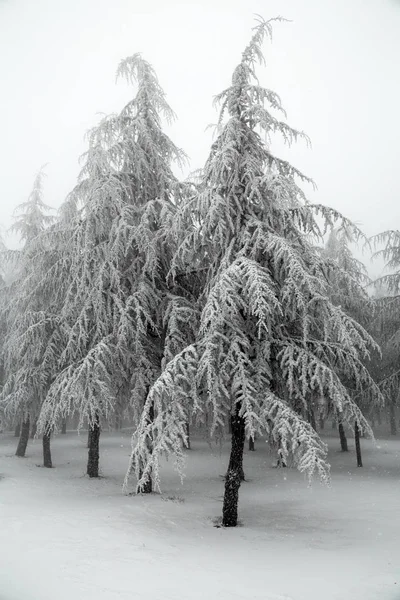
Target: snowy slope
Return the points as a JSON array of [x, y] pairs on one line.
[[67, 537]]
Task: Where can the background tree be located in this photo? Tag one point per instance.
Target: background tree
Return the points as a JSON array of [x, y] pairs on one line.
[[349, 283], [387, 323], [269, 335], [30, 324]]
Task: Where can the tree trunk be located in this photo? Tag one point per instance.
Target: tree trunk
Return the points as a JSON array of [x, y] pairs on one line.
[[88, 437], [64, 427], [23, 438], [379, 417], [188, 435], [358, 445], [333, 423], [93, 454], [235, 472], [147, 487], [321, 422], [17, 430], [33, 429], [392, 415], [251, 444], [311, 419], [343, 439], [46, 448]]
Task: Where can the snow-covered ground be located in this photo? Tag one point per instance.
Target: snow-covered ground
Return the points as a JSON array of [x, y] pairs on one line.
[[67, 537]]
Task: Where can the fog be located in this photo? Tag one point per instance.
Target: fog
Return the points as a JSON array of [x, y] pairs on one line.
[[335, 66]]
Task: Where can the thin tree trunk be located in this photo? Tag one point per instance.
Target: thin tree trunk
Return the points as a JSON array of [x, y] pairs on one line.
[[235, 472], [333, 423], [188, 435], [147, 487], [33, 429], [321, 422], [46, 448], [358, 445], [251, 444], [379, 417], [23, 438], [392, 415], [64, 427], [17, 430], [93, 454], [88, 437], [343, 439], [311, 419]]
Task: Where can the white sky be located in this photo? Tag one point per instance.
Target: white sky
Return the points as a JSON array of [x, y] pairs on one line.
[[336, 67]]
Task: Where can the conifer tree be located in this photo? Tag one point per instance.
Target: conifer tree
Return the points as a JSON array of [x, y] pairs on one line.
[[349, 282], [117, 292], [31, 327], [387, 322], [269, 335]]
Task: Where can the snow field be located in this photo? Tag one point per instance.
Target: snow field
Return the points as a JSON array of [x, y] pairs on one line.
[[68, 537]]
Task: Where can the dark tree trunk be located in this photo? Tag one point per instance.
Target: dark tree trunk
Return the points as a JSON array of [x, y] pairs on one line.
[[23, 438], [321, 423], [343, 439], [88, 438], [147, 486], [379, 417], [311, 419], [46, 448], [93, 454], [333, 423], [17, 430], [33, 429], [64, 427], [358, 445], [251, 444], [187, 435], [392, 416], [235, 472]]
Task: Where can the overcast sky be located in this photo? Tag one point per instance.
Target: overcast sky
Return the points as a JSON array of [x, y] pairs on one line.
[[336, 67]]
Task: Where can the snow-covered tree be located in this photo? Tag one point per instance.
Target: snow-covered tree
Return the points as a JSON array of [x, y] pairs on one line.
[[387, 323], [349, 283], [117, 293], [31, 326], [269, 334]]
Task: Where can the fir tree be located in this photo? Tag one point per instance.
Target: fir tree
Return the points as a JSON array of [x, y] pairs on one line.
[[349, 283], [269, 335], [387, 323], [117, 294], [32, 327]]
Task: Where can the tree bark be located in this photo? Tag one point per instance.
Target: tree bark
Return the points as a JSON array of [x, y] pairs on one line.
[[343, 439], [358, 445], [251, 444], [235, 472], [333, 423], [33, 429], [188, 435], [311, 419], [23, 438], [46, 448], [321, 423], [93, 454], [392, 416], [64, 427], [147, 487], [17, 430]]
